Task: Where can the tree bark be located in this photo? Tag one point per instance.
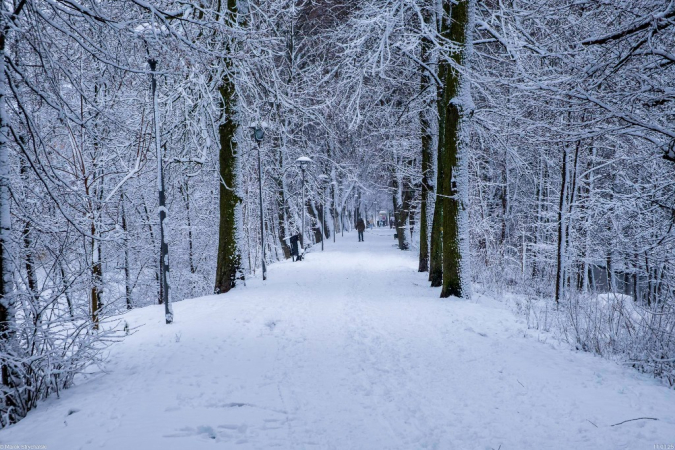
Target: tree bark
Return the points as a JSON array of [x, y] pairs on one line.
[[7, 298], [96, 277], [31, 278], [402, 200], [436, 242], [426, 156], [455, 190], [66, 288], [185, 190], [127, 269], [282, 209], [560, 251], [148, 221], [228, 267]]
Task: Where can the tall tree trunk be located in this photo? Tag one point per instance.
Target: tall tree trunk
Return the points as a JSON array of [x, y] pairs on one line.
[[127, 269], [357, 206], [423, 265], [560, 251], [228, 266], [93, 194], [282, 208], [402, 200], [9, 401], [314, 212], [504, 199], [457, 104], [539, 190], [436, 242], [588, 284], [31, 278], [65, 287], [335, 212], [185, 190], [164, 269], [152, 239], [96, 277], [427, 141], [571, 198]]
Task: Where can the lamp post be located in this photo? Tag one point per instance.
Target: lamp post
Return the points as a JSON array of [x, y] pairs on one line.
[[332, 212], [324, 180], [342, 221], [258, 135], [303, 161]]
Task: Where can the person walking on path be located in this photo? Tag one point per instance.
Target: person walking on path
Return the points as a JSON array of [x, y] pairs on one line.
[[295, 251], [360, 227]]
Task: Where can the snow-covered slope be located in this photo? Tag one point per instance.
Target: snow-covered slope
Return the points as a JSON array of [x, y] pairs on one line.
[[348, 350]]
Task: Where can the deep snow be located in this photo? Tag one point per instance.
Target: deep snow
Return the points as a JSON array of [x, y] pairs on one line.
[[348, 349]]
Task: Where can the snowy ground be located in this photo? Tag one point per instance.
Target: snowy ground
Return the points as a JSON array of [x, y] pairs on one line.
[[348, 350]]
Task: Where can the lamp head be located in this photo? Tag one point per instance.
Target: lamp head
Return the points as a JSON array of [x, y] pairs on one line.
[[258, 134], [303, 161]]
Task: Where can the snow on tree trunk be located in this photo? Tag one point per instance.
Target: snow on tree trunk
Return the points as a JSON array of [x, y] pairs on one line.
[[560, 251], [228, 261], [456, 269], [443, 13], [11, 405], [282, 206], [427, 142], [164, 272]]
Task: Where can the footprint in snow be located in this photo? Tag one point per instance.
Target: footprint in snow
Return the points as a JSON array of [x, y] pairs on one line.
[[201, 431], [474, 331]]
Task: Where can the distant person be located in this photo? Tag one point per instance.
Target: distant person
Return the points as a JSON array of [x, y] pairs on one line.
[[295, 251], [360, 227]]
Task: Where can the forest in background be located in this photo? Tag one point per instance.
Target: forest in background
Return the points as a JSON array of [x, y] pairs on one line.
[[521, 146]]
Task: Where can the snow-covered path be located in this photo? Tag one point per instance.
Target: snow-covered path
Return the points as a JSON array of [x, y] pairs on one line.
[[348, 350]]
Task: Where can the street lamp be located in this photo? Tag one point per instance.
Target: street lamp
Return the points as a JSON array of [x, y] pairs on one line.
[[258, 135], [324, 180], [303, 162], [332, 212]]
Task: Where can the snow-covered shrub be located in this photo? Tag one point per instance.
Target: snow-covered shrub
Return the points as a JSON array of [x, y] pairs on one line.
[[616, 325], [50, 346], [609, 325]]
